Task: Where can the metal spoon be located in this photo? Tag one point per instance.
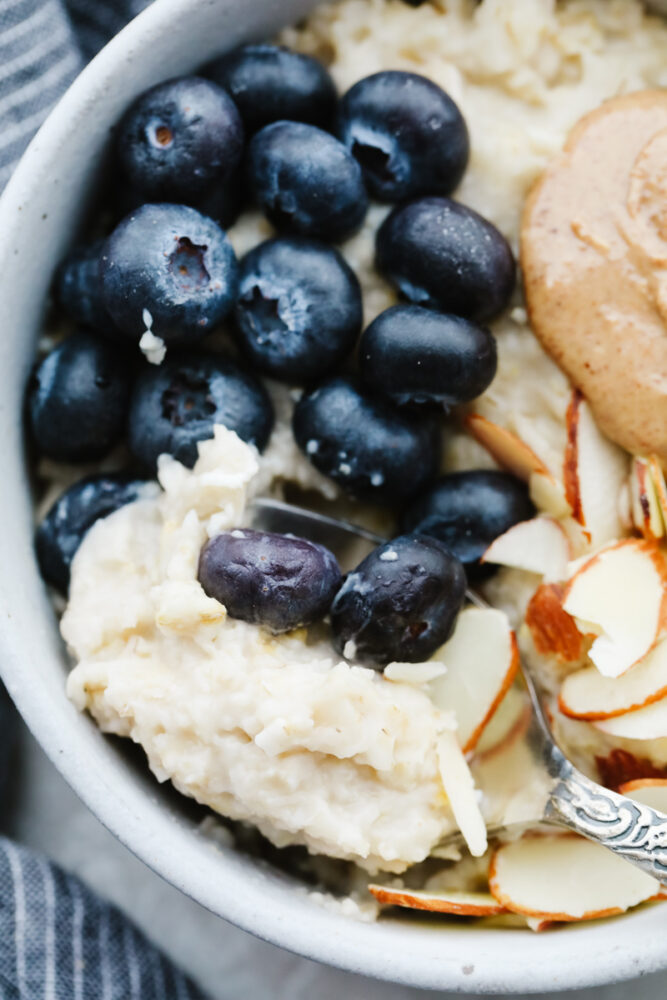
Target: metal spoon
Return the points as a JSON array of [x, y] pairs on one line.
[[570, 799]]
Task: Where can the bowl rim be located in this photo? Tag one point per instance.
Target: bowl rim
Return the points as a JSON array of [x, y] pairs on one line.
[[421, 955]]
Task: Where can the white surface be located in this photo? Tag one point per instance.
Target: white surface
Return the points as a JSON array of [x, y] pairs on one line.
[[227, 962], [38, 212]]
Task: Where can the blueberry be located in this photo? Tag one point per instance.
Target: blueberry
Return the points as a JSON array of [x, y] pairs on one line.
[[223, 202], [180, 138], [77, 399], [400, 603], [306, 182], [415, 355], [467, 510], [372, 450], [61, 532], [78, 288], [174, 263], [407, 133], [270, 83], [299, 310], [278, 581], [441, 254], [176, 404]]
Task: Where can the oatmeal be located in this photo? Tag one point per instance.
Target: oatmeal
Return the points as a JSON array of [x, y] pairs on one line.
[[271, 730]]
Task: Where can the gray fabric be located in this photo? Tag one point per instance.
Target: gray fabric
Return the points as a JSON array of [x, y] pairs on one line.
[[43, 45], [58, 941]]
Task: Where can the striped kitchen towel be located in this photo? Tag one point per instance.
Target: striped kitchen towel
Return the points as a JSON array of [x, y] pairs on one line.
[[58, 941], [43, 45]]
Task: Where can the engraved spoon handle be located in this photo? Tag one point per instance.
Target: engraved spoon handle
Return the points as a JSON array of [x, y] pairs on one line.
[[631, 830]]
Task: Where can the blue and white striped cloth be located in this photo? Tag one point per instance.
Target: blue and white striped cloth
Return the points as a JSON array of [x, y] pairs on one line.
[[58, 941], [43, 45]]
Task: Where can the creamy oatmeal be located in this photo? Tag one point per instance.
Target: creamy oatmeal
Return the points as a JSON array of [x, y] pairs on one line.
[[272, 730]]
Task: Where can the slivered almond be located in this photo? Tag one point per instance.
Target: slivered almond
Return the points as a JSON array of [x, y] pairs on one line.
[[554, 631], [587, 695], [594, 471], [619, 596], [563, 877], [646, 511], [648, 723], [481, 660], [462, 904], [658, 477], [508, 722], [650, 792], [537, 546], [508, 450]]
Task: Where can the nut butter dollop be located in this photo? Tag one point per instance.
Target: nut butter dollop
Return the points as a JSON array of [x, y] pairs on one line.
[[594, 256]]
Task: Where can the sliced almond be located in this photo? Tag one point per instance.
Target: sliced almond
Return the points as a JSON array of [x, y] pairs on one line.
[[619, 596], [649, 723], [646, 512], [506, 724], [481, 660], [462, 904], [538, 925], [658, 477], [413, 673], [594, 470], [651, 792], [577, 537], [564, 877], [537, 546], [588, 695], [554, 632], [506, 448], [460, 790], [548, 494]]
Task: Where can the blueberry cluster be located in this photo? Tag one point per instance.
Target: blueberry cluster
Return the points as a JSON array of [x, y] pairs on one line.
[[265, 125]]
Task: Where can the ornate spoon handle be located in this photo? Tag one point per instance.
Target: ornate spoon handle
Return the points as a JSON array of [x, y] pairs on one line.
[[631, 830]]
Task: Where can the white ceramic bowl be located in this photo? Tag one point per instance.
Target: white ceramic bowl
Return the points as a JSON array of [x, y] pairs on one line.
[[39, 214]]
